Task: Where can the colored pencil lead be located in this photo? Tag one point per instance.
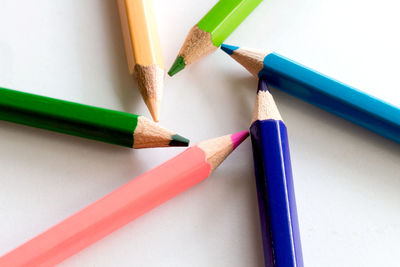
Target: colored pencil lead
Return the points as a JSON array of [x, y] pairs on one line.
[[178, 65], [178, 140], [238, 138], [228, 48]]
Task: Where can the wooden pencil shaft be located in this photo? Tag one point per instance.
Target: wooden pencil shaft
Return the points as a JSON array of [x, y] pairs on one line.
[[275, 191], [67, 117]]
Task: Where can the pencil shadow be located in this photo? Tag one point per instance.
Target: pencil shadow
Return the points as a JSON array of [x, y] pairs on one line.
[[238, 187], [125, 84], [52, 144], [244, 88], [241, 85]]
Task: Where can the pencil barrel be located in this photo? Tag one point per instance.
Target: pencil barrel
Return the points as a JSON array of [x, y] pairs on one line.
[[332, 96], [112, 212], [275, 194], [225, 17], [67, 117]]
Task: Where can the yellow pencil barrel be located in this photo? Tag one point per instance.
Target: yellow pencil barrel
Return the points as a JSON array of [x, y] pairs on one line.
[[139, 27], [143, 50]]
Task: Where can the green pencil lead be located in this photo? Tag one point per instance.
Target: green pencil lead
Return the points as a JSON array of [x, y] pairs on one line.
[[178, 140], [178, 65]]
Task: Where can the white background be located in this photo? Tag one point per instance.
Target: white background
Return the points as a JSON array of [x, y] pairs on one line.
[[347, 179]]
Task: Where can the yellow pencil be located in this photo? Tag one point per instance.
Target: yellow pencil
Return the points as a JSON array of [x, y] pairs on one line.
[[143, 50]]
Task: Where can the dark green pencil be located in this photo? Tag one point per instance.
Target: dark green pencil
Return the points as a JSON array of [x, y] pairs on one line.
[[95, 123]]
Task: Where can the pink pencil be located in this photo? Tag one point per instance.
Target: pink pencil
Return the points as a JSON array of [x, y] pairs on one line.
[[124, 204]]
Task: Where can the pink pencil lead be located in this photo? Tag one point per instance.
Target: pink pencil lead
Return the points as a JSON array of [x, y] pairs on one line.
[[238, 138]]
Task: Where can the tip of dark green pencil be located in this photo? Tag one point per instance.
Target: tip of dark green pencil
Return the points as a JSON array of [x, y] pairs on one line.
[[178, 140], [228, 48], [178, 65]]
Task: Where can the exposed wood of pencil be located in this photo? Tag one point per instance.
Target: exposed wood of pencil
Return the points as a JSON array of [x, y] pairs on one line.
[[143, 50], [198, 44], [124, 204], [265, 107], [252, 60], [150, 134], [216, 150]]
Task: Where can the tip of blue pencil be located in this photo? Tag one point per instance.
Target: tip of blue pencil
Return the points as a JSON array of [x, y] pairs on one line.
[[262, 85], [228, 48]]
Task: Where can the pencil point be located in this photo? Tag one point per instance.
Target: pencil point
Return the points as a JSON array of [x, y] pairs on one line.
[[178, 140], [262, 85], [154, 107], [238, 138], [228, 48], [151, 81], [150, 134], [178, 65]]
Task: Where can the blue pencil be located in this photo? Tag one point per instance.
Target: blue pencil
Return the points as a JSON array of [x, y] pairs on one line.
[[321, 91], [275, 189]]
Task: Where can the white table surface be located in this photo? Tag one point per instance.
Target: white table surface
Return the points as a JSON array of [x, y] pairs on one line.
[[347, 179]]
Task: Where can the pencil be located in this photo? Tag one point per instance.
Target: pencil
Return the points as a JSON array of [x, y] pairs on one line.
[[95, 123], [125, 204], [274, 181], [209, 33], [143, 50], [321, 91]]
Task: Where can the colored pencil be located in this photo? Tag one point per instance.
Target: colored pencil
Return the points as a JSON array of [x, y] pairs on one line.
[[95, 123], [209, 33], [275, 190], [143, 50], [124, 204], [321, 91]]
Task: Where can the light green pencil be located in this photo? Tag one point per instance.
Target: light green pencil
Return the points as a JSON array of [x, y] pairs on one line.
[[207, 35]]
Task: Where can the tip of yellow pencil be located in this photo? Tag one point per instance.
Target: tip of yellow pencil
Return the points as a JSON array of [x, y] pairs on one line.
[[150, 82], [153, 105]]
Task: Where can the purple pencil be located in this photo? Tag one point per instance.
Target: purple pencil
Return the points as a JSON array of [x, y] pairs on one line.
[[275, 190]]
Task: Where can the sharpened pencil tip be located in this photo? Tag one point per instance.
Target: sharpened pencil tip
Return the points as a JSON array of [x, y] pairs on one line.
[[228, 48], [238, 138], [178, 65], [262, 85], [154, 107], [178, 140]]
